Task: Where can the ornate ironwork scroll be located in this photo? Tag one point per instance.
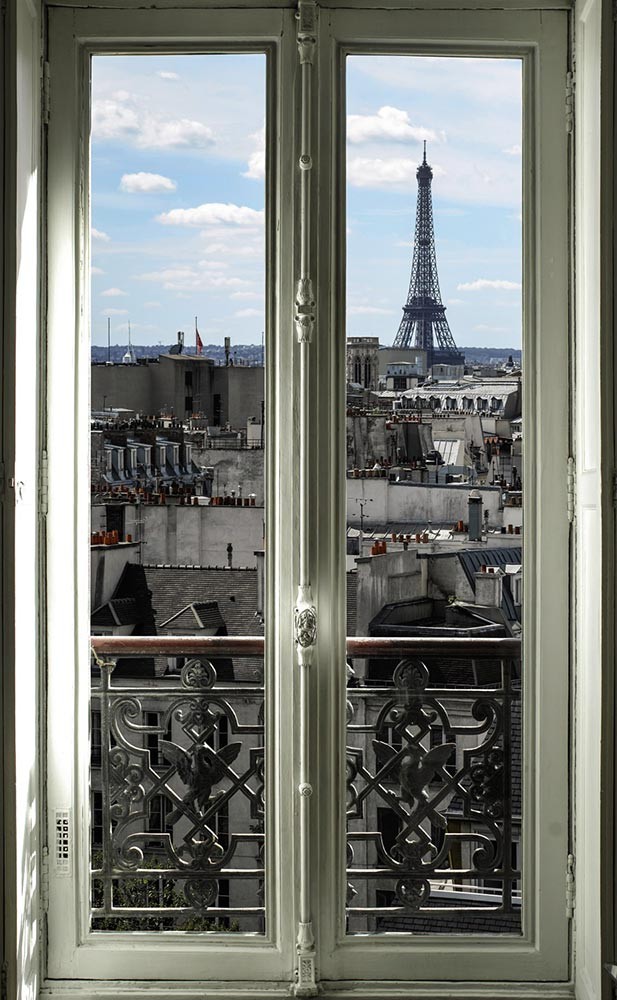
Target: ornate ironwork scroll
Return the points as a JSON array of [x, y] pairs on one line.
[[177, 784], [434, 798]]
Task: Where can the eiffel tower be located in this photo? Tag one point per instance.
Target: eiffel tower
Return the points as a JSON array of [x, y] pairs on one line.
[[424, 322]]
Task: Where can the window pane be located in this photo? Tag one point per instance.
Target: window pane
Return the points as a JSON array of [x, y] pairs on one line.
[[434, 491], [177, 481]]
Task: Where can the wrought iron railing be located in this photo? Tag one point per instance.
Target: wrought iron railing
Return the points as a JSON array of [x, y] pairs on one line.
[[179, 791], [433, 784], [434, 787]]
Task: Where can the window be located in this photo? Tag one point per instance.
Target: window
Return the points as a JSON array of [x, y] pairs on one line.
[[306, 880]]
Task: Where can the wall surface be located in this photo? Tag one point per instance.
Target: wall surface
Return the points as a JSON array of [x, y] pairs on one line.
[[22, 935], [395, 502], [242, 392], [107, 564], [199, 536], [232, 467], [392, 576], [150, 389]]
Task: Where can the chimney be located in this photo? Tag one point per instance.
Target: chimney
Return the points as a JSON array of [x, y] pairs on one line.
[[489, 587], [227, 350], [475, 516], [230, 555]]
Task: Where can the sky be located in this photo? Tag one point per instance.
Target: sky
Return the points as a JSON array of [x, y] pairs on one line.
[[177, 175]]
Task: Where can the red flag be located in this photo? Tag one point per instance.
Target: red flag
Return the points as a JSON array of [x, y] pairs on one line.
[[198, 342]]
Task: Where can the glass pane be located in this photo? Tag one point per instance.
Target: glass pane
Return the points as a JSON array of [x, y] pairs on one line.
[[177, 483], [434, 493]]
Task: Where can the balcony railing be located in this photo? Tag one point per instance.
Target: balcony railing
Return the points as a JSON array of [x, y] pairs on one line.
[[433, 784]]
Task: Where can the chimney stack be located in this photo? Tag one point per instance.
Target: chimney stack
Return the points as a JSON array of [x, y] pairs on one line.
[[475, 516], [489, 587]]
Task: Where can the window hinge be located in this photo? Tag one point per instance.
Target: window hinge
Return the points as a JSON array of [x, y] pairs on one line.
[[570, 887], [569, 101], [615, 489], [571, 489], [43, 483], [45, 879], [45, 88]]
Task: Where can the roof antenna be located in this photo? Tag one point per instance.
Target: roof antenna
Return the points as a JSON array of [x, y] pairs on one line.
[[424, 160]]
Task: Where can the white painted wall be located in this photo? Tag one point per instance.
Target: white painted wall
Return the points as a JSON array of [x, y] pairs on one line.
[[390, 502], [199, 536], [21, 873]]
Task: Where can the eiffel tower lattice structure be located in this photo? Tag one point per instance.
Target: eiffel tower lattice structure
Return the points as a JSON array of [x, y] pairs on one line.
[[424, 322]]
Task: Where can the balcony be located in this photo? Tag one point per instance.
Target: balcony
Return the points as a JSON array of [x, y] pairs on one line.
[[433, 783]]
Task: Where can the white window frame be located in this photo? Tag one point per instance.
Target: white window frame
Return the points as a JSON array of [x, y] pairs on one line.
[[74, 952], [23, 796], [541, 38]]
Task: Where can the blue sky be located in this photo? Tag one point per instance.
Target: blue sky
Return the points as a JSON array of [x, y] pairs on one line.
[[178, 194]]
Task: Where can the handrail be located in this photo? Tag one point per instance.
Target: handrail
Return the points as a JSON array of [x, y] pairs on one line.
[[223, 645]]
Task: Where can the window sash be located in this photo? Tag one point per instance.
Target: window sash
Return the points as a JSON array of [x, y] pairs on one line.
[[540, 38], [73, 950]]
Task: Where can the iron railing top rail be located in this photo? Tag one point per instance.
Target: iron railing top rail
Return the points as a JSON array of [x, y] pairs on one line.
[[223, 645]]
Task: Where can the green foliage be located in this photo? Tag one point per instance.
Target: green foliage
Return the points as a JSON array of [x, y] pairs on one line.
[[150, 892]]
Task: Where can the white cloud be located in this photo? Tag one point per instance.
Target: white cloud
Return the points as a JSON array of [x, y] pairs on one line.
[[362, 172], [476, 79], [247, 295], [368, 311], [214, 265], [114, 118], [383, 172], [481, 283], [388, 123], [182, 133], [96, 234], [234, 242], [96, 270], [144, 183], [515, 150], [168, 75], [112, 293], [152, 305], [191, 279], [121, 117], [114, 312], [212, 213], [257, 159], [247, 313]]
